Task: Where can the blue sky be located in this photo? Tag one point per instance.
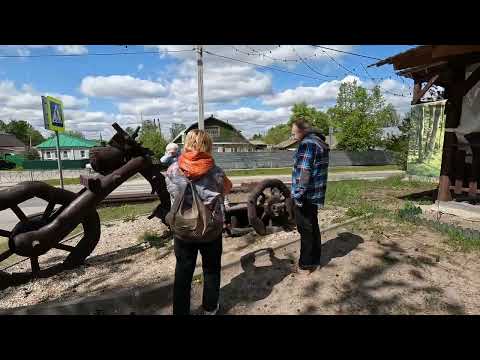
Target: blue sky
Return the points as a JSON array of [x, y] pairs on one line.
[[98, 90]]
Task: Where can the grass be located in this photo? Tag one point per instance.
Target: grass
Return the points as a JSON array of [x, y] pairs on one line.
[[288, 170], [461, 239], [381, 199], [126, 213], [66, 181], [154, 239]]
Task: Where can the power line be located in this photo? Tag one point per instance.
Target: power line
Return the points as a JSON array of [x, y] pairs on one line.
[[94, 54], [264, 66], [286, 71], [347, 52], [258, 53], [308, 66]]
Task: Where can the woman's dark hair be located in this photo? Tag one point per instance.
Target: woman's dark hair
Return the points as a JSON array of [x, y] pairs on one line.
[[301, 123]]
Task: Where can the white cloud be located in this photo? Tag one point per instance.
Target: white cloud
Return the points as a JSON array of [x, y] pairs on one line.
[[149, 106], [140, 67], [222, 83], [319, 96], [252, 121], [25, 50], [29, 98], [71, 49], [121, 86]]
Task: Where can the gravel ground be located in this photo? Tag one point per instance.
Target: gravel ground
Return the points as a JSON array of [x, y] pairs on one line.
[[361, 273], [395, 270], [120, 261]]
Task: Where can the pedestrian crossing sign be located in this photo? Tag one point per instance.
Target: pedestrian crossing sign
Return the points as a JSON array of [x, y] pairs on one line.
[[53, 114]]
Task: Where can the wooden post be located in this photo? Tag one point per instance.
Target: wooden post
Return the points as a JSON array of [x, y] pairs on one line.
[[459, 171], [453, 112]]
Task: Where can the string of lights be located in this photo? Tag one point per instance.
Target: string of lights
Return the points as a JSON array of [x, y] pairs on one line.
[[309, 66], [264, 66], [270, 51], [290, 72], [95, 54], [347, 52]]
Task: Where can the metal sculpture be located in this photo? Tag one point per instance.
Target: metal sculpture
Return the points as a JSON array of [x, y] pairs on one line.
[[269, 204], [35, 235], [268, 209]]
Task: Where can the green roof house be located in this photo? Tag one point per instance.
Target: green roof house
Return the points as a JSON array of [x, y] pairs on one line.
[[71, 148]]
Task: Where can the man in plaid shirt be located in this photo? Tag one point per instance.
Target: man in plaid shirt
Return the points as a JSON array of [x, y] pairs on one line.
[[309, 184]]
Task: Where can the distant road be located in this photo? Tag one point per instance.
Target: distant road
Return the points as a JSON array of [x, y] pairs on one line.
[[35, 205]]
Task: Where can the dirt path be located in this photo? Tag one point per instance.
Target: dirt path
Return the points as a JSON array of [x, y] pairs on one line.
[[366, 270]]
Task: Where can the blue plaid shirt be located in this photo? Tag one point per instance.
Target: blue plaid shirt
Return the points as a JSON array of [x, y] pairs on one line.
[[310, 171]]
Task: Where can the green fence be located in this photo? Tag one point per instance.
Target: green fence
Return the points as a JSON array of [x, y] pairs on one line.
[[17, 159], [52, 164]]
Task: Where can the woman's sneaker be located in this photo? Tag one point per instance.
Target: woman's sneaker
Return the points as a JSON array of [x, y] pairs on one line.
[[213, 312]]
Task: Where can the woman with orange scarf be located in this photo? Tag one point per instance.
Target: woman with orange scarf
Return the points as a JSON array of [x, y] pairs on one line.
[[197, 164]]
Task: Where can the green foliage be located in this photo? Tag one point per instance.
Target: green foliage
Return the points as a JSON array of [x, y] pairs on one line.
[[257, 137], [360, 116], [399, 144], [317, 119], [32, 154], [152, 138], [409, 211], [155, 239], [22, 131], [176, 129], [277, 134], [460, 238], [74, 133]]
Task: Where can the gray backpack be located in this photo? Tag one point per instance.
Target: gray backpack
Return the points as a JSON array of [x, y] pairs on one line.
[[195, 223]]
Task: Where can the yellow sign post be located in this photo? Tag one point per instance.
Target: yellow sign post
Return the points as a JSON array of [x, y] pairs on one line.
[[54, 120]]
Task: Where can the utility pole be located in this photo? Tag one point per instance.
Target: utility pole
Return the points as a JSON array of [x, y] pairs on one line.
[[201, 118]]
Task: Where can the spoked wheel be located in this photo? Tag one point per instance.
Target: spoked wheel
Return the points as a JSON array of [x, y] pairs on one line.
[[69, 252], [269, 204]]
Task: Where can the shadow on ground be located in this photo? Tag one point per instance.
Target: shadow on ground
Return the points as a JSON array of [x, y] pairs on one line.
[[340, 246], [115, 259], [255, 282], [370, 290]]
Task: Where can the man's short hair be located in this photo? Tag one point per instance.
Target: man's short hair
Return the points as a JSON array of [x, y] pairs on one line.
[[301, 123]]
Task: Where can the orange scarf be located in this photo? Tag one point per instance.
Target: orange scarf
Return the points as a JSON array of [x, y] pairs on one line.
[[195, 164]]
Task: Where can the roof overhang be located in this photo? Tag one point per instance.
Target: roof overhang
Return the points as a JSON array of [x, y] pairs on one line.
[[435, 65]]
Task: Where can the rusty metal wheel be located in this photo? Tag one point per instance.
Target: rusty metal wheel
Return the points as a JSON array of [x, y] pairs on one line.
[[72, 251], [270, 204]]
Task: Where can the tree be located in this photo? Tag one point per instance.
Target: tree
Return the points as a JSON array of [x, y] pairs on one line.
[[399, 145], [23, 131], [32, 154], [359, 116], [74, 133], [257, 137], [152, 138], [176, 129], [277, 134], [318, 119], [129, 130]]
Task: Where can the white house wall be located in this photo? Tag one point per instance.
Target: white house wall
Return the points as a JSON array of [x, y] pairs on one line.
[[72, 154]]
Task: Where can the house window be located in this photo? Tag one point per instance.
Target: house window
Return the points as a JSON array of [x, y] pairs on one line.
[[49, 155], [213, 131], [82, 154], [65, 155]]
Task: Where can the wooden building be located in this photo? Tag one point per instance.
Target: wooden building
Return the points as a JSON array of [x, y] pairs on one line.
[[9, 144], [226, 138], [456, 69]]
